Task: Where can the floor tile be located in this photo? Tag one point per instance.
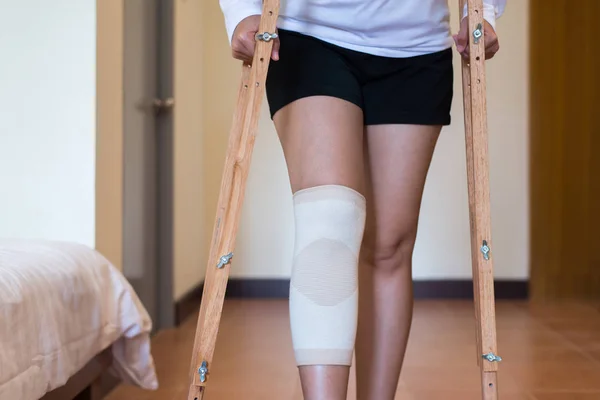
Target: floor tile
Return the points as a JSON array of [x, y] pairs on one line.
[[565, 396], [551, 351]]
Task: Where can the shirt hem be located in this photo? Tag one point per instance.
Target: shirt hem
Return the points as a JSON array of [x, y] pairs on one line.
[[382, 51]]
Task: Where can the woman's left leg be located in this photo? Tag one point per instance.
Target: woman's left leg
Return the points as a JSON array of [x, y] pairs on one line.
[[397, 160]]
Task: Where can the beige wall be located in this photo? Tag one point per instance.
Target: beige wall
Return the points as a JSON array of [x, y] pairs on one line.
[[206, 79], [265, 238], [443, 245]]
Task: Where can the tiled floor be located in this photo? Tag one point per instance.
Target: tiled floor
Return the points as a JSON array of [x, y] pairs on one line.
[[550, 352]]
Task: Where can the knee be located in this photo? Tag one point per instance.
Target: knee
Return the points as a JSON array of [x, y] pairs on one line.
[[324, 281], [390, 254]]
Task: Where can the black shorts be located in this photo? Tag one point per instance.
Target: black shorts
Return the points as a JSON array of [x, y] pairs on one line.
[[413, 90]]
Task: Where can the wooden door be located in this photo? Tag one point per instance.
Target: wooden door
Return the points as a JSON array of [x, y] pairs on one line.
[[140, 91], [565, 149]]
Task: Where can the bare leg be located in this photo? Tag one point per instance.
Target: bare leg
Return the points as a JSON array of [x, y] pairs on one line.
[[322, 140], [397, 162]]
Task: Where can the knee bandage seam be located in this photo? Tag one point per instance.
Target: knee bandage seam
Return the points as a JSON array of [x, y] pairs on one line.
[[324, 284]]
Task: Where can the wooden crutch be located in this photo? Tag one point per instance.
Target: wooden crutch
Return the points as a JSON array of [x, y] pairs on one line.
[[231, 195], [476, 138]]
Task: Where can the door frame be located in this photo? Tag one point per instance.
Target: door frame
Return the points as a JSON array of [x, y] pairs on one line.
[[109, 129], [109, 196]]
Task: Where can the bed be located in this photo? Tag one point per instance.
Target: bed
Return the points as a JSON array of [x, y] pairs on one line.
[[66, 316]]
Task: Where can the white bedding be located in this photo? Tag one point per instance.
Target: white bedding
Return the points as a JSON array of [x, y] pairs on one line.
[[60, 305]]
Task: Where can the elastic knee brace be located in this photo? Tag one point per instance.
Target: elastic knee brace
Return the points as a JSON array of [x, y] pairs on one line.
[[329, 226]]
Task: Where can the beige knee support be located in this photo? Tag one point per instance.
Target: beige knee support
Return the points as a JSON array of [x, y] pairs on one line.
[[329, 224]]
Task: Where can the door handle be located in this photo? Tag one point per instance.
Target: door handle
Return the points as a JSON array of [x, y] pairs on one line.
[[162, 106], [156, 106]]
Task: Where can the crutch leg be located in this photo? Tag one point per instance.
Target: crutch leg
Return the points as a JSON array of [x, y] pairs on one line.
[[475, 115], [231, 195]]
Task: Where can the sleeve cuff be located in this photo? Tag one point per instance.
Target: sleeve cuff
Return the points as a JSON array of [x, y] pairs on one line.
[[237, 11], [489, 13]]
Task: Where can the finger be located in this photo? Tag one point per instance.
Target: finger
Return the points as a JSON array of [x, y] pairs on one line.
[[238, 50], [461, 42], [248, 37], [491, 42], [242, 51], [466, 52], [275, 52], [244, 43], [457, 43], [242, 56], [491, 52], [249, 48], [246, 50], [462, 38], [464, 27], [495, 47], [492, 46]]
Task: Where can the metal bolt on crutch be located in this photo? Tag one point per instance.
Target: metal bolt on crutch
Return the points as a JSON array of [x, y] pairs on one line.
[[237, 162]]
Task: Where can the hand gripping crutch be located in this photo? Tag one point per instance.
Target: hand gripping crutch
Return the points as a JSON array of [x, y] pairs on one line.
[[475, 115], [231, 195]]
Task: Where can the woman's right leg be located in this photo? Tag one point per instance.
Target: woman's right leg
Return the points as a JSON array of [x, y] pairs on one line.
[[322, 140]]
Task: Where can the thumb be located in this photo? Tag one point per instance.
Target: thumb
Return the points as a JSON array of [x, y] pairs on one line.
[[461, 38]]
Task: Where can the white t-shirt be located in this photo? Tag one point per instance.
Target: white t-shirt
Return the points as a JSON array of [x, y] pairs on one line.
[[393, 28]]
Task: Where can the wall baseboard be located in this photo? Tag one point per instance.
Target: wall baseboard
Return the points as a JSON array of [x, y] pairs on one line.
[[188, 304], [463, 289], [279, 289]]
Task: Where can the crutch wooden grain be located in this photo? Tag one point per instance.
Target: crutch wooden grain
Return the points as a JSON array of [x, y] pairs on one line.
[[231, 195], [476, 139]]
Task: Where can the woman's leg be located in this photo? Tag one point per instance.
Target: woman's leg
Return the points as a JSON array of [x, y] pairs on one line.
[[322, 139], [397, 162]]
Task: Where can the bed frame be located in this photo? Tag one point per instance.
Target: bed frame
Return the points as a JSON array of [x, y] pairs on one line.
[[92, 382]]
